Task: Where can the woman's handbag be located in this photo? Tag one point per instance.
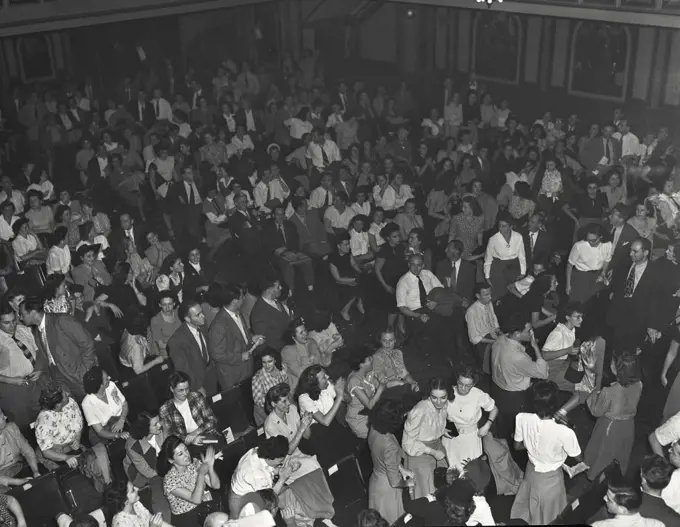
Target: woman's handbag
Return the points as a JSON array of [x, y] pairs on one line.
[[576, 370]]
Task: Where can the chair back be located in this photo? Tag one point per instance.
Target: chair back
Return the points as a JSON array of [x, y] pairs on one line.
[[230, 410], [140, 396], [41, 499], [348, 489]]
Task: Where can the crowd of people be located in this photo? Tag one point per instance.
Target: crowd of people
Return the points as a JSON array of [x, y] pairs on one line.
[[241, 226]]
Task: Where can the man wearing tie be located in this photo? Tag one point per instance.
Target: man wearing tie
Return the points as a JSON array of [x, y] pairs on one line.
[[63, 344], [131, 231], [142, 112], [186, 212], [321, 153], [621, 235], [322, 196], [457, 275], [161, 107], [269, 317], [601, 152], [230, 344], [188, 349], [281, 242], [538, 244]]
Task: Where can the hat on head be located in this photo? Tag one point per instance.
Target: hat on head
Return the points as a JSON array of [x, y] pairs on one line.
[[273, 146], [477, 472]]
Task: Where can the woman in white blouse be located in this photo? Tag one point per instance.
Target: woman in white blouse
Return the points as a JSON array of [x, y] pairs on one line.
[[26, 245], [396, 194], [59, 255], [126, 510], [104, 407], [587, 265], [505, 259], [377, 223], [7, 220], [542, 495], [464, 410], [310, 496], [422, 440], [299, 126]]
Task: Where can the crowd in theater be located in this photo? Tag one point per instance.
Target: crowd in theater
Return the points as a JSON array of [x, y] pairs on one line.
[[234, 231]]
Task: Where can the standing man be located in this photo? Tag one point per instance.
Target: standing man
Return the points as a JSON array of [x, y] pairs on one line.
[[20, 371], [230, 343], [269, 317], [482, 325], [188, 349], [63, 344], [186, 203], [621, 235]]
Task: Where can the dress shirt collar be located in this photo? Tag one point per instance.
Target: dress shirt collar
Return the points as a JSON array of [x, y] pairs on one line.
[[42, 326]]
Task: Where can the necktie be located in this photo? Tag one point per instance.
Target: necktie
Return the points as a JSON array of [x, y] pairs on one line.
[[283, 233], [608, 150], [204, 348], [27, 353], [423, 293], [326, 161], [617, 235], [532, 237], [629, 288], [35, 111], [141, 112], [191, 194], [45, 343], [329, 201], [218, 207], [157, 111], [454, 276], [266, 196]]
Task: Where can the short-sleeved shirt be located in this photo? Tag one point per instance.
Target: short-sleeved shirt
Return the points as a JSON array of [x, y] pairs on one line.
[[175, 479], [560, 338], [59, 428], [585, 257], [466, 410], [323, 404], [547, 442], [275, 426], [252, 474], [97, 411], [140, 518], [669, 432]]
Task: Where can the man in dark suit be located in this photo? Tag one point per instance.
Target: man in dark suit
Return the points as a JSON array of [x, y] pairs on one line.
[[655, 475], [188, 349], [186, 201], [269, 317], [538, 243], [249, 118], [481, 164], [230, 343], [246, 230], [457, 275], [601, 153], [311, 231], [128, 230], [65, 348], [281, 243], [142, 111], [621, 234], [632, 314]]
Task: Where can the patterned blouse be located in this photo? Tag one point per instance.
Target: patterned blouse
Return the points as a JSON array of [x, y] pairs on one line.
[[140, 517], [175, 479], [520, 207], [388, 365], [263, 381], [59, 429], [466, 229]]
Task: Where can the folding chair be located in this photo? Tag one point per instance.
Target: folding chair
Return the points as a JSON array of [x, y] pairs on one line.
[[348, 488], [139, 395], [230, 412], [80, 492], [41, 500], [159, 381]]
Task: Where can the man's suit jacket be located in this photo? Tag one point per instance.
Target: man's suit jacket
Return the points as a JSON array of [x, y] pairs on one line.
[[655, 507], [94, 172], [117, 238], [482, 168], [312, 235], [631, 317], [272, 239], [248, 234], [621, 255], [543, 248], [193, 280], [72, 348], [594, 151], [148, 113], [240, 118], [226, 345], [465, 281], [269, 322], [79, 118], [187, 357]]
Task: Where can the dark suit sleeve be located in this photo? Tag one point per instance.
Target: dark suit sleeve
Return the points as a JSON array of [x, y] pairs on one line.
[[77, 333], [260, 324], [219, 345], [180, 357], [270, 238], [293, 237]]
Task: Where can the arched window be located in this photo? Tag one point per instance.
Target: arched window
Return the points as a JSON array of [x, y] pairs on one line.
[[35, 58], [496, 46], [600, 56]]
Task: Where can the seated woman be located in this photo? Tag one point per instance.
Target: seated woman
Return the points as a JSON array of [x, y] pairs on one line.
[[126, 510], [345, 271], [57, 295], [316, 395], [135, 351], [141, 461], [409, 219], [91, 274], [186, 482], [164, 324], [301, 354], [104, 407], [17, 457], [173, 269], [157, 251], [187, 415], [268, 373], [358, 241], [64, 216], [416, 244], [59, 255], [389, 367], [365, 389], [324, 332], [40, 217], [141, 268], [58, 429], [28, 249], [100, 221], [89, 236]]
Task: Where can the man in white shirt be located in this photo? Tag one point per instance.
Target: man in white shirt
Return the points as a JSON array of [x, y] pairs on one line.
[[339, 215], [624, 501], [630, 144], [10, 193], [323, 196], [242, 141], [671, 494], [321, 153], [483, 327], [270, 187], [161, 106]]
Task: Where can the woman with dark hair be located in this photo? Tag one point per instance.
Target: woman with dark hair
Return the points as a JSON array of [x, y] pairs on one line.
[[57, 431], [91, 274], [468, 226], [522, 204], [135, 350], [422, 440], [504, 260], [257, 469], [615, 408], [186, 482], [140, 463], [196, 281], [59, 255], [390, 266], [364, 389], [64, 218], [164, 323], [533, 302], [104, 407], [28, 249], [57, 298], [346, 272], [302, 353], [310, 497], [268, 373], [416, 243], [458, 501], [124, 508], [173, 268], [187, 414], [561, 345], [587, 264], [88, 236], [464, 410], [371, 518], [389, 477], [542, 495]]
